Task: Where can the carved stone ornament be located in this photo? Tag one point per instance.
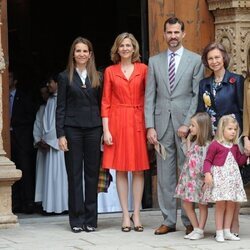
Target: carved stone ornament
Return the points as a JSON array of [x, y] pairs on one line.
[[2, 61], [225, 4], [232, 29]]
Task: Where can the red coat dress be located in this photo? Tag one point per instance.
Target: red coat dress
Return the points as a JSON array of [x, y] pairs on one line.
[[123, 105]]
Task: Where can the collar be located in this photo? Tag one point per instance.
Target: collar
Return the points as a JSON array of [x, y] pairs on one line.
[[82, 74], [178, 52]]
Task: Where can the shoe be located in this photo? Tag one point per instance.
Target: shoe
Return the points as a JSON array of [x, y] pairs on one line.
[[219, 238], [77, 229], [139, 228], [163, 229], [89, 228], [196, 235], [230, 236], [189, 229], [126, 229], [187, 236], [237, 235]]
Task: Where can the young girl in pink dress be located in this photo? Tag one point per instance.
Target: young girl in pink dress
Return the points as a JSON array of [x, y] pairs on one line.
[[223, 181], [190, 183]]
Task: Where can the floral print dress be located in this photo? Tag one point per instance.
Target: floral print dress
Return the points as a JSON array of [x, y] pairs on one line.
[[227, 182], [189, 187]]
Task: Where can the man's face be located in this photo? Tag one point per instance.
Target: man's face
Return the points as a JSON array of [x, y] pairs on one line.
[[173, 36]]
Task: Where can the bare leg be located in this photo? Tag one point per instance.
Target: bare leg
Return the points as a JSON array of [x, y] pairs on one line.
[[219, 214], [138, 186], [235, 227], [189, 209], [203, 215], [229, 213], [122, 189]]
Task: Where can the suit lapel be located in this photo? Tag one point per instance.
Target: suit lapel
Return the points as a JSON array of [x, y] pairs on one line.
[[163, 68], [184, 62]]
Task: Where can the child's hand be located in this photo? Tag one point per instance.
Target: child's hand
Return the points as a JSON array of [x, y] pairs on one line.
[[208, 181]]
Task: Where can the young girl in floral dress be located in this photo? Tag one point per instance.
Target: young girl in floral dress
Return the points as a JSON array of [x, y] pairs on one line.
[[190, 183], [223, 182]]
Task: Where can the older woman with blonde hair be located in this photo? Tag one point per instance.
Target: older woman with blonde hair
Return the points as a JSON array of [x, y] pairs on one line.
[[123, 124]]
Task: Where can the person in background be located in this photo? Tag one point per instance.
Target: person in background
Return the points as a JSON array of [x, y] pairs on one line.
[[54, 186], [79, 130], [189, 187], [41, 146], [123, 124], [170, 102], [223, 184], [221, 94], [23, 154]]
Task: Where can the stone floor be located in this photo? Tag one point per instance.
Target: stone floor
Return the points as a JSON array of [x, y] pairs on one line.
[[53, 232]]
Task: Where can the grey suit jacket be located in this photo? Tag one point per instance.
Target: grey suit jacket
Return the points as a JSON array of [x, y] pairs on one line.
[[181, 104]]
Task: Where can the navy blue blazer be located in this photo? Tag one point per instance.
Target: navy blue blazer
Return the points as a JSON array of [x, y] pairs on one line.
[[228, 99], [77, 106]]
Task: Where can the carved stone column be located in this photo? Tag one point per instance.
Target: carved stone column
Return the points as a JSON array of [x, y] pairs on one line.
[[232, 29], [8, 172]]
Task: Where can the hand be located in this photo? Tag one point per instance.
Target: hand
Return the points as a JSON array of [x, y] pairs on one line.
[[246, 146], [152, 136], [183, 131], [107, 137], [43, 145], [63, 144], [208, 181]]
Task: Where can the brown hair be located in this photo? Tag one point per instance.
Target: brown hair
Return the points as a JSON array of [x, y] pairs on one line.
[[223, 122], [221, 48], [91, 68], [115, 57], [174, 20], [204, 133]]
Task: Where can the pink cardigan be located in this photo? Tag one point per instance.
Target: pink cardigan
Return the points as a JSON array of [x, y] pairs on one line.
[[217, 154]]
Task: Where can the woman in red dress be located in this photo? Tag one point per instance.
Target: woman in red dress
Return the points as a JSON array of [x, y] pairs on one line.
[[123, 124]]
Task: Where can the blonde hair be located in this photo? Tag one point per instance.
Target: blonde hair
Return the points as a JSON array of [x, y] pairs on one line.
[[204, 132], [115, 57], [223, 122], [91, 68]]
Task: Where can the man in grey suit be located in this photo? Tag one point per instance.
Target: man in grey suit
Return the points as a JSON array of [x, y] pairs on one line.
[[170, 101]]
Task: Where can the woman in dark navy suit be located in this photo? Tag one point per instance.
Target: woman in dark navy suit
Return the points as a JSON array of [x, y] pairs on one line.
[[221, 94], [79, 129]]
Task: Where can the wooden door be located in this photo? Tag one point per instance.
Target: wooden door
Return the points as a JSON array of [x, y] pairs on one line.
[[199, 23]]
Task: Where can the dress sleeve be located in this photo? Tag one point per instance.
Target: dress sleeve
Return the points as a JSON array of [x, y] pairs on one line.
[[107, 94], [211, 152]]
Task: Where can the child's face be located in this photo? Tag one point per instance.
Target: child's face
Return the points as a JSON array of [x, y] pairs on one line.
[[193, 127], [230, 131]]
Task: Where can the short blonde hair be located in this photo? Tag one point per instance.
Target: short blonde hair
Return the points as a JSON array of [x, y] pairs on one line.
[[223, 122], [115, 57]]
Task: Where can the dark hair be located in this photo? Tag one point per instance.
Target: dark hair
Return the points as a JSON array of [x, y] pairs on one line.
[[53, 77], [174, 20], [221, 48]]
